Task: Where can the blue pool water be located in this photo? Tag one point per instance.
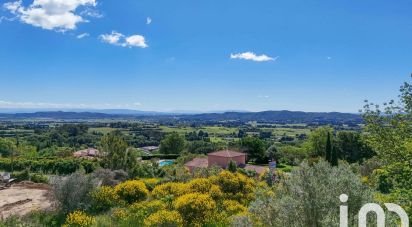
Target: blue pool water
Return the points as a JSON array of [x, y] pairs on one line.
[[165, 162]]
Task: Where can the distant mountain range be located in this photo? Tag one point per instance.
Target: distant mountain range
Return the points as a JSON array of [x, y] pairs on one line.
[[283, 116]]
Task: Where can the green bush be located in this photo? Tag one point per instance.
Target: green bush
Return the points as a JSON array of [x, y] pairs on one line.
[[39, 178], [53, 166]]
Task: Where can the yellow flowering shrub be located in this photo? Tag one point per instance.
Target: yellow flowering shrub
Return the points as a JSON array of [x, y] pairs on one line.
[[119, 214], [169, 189], [195, 207], [215, 192], [132, 191], [232, 207], [151, 183], [104, 198], [201, 185], [79, 219], [164, 218], [147, 207], [235, 186]]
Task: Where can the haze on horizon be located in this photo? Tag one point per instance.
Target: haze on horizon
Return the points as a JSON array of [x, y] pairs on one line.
[[203, 56]]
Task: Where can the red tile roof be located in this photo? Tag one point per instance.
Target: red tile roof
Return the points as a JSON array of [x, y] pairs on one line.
[[198, 162], [227, 153]]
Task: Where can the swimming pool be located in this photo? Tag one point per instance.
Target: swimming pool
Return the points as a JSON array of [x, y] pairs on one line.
[[166, 162]]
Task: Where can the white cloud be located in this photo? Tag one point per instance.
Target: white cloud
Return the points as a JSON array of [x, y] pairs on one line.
[[136, 41], [113, 38], [83, 35], [329, 58], [148, 20], [264, 96], [50, 14], [11, 104], [252, 57], [118, 39]]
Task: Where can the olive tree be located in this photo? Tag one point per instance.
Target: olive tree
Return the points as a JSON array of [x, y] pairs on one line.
[[310, 197]]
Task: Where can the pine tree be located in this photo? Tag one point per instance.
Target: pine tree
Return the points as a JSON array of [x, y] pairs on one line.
[[328, 149]]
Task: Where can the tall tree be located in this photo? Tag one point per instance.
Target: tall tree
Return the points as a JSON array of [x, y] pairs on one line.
[[328, 149], [255, 148], [317, 141], [172, 144], [334, 157], [115, 153], [389, 133], [351, 147]]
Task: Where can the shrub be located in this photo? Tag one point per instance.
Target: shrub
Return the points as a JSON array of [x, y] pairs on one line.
[[151, 183], [132, 191], [235, 186], [232, 207], [110, 177], [73, 192], [146, 208], [104, 198], [169, 189], [79, 219], [164, 218], [195, 207], [54, 166], [39, 178], [201, 185], [215, 192], [119, 214], [309, 196]]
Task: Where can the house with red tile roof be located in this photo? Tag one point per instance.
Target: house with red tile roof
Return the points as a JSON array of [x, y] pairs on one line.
[[87, 153], [222, 159]]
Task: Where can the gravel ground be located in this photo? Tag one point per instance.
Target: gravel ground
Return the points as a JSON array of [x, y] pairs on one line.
[[21, 199]]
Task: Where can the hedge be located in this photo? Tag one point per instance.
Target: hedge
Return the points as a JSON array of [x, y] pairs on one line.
[[51, 166]]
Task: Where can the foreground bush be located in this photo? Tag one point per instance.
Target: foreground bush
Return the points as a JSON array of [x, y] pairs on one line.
[[195, 208], [235, 186], [146, 208], [79, 219], [104, 198], [73, 192], [164, 218], [310, 197], [169, 189], [132, 191]]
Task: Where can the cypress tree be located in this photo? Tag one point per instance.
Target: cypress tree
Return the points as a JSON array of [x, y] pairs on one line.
[[334, 157], [232, 167], [328, 149]]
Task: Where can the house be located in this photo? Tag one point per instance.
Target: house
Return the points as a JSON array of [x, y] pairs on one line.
[[222, 159], [197, 163], [87, 153]]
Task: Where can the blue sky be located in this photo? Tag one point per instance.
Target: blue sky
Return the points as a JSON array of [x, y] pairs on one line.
[[203, 55]]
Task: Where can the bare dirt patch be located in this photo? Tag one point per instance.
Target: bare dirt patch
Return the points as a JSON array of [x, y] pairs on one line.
[[23, 198]]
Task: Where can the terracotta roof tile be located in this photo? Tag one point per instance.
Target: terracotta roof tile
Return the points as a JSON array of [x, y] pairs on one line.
[[198, 162], [227, 153]]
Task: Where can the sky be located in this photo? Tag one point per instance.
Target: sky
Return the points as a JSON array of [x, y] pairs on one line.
[[203, 55]]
